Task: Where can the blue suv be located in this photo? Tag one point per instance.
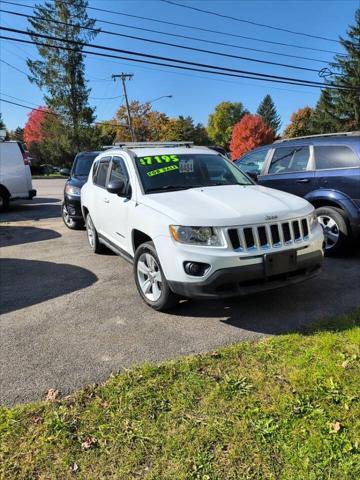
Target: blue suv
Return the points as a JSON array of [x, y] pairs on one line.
[[324, 169]]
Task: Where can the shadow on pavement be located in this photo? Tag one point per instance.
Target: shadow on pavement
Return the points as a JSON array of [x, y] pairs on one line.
[[10, 236], [37, 209], [28, 282], [335, 291]]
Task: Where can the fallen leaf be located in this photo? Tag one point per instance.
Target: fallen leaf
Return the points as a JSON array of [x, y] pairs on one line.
[[74, 467], [215, 354], [52, 395], [88, 443], [345, 364], [335, 427]]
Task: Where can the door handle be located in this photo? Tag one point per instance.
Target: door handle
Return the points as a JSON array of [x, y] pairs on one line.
[[106, 200], [303, 180]]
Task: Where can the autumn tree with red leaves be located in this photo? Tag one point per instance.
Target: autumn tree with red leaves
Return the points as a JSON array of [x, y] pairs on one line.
[[249, 133], [34, 127]]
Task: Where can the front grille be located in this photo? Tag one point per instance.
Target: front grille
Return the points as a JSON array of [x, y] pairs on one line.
[[263, 237]]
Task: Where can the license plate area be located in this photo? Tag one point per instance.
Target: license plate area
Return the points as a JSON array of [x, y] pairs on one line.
[[280, 262]]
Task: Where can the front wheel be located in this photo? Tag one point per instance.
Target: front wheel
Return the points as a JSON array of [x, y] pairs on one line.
[[70, 222], [150, 279], [335, 228]]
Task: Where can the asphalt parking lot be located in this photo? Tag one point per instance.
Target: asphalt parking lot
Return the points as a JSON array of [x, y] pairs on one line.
[[70, 317]]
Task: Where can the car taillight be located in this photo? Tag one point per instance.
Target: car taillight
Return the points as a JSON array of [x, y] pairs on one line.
[[25, 158]]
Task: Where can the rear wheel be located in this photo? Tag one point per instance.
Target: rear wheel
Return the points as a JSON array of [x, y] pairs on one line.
[[336, 230], [4, 202], [150, 279], [92, 235], [70, 222]]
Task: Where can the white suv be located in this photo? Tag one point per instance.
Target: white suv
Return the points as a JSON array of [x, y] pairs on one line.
[[195, 226]]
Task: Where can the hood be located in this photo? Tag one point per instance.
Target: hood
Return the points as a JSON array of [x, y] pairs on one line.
[[77, 181], [227, 205]]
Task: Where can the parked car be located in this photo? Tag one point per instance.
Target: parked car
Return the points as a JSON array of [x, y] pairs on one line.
[[70, 207], [194, 225], [325, 170], [15, 175]]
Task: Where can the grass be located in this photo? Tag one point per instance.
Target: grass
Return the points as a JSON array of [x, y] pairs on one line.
[[281, 408]]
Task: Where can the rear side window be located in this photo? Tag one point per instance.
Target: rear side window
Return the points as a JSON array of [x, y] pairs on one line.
[[99, 177], [335, 157], [118, 170], [289, 159]]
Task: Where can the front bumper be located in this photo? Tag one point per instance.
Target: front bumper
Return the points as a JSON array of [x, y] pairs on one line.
[[73, 206], [237, 281]]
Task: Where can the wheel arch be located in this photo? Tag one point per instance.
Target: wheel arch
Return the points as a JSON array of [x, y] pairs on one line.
[[138, 237], [4, 191]]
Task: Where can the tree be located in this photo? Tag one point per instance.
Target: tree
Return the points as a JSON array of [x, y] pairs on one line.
[[148, 124], [62, 72], [346, 99], [221, 122], [33, 130], [184, 129], [2, 124], [301, 123], [324, 118], [17, 134], [249, 133], [267, 111]]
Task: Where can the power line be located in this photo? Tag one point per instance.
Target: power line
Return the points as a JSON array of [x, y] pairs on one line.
[[143, 39], [181, 67], [241, 20], [13, 66], [162, 58], [190, 27]]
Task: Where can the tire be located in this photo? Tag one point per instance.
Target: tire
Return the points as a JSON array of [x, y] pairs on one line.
[[4, 202], [92, 235], [149, 276], [70, 222], [336, 229]]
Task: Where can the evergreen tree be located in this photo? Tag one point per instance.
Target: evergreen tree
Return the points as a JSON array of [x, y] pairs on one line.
[[346, 103], [62, 72], [267, 111], [324, 118], [2, 124]]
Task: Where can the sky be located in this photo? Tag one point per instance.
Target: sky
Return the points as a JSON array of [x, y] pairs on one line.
[[194, 94]]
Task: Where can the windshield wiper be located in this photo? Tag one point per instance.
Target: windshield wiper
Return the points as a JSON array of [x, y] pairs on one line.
[[171, 187]]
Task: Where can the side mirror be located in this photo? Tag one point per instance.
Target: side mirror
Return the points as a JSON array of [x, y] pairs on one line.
[[253, 176], [119, 187], [65, 172]]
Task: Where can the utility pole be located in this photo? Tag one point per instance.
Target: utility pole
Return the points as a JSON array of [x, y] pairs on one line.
[[124, 77]]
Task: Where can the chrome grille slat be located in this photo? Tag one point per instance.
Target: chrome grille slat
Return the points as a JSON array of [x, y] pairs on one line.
[[280, 234]]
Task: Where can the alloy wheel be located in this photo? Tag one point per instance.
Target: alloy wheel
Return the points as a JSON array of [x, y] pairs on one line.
[[90, 231], [331, 231], [149, 276]]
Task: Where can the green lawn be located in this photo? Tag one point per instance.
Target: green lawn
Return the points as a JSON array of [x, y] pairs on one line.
[[281, 408]]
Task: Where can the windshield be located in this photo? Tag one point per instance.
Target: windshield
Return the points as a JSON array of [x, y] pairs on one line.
[[179, 172], [83, 164]]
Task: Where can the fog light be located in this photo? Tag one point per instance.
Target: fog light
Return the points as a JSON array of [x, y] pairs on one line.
[[71, 210], [196, 269]]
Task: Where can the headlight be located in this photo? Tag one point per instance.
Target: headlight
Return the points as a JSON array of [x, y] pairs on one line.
[[207, 236], [313, 220], [71, 190]]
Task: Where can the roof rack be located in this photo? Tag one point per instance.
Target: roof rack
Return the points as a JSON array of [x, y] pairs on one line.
[[148, 144], [339, 134]]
